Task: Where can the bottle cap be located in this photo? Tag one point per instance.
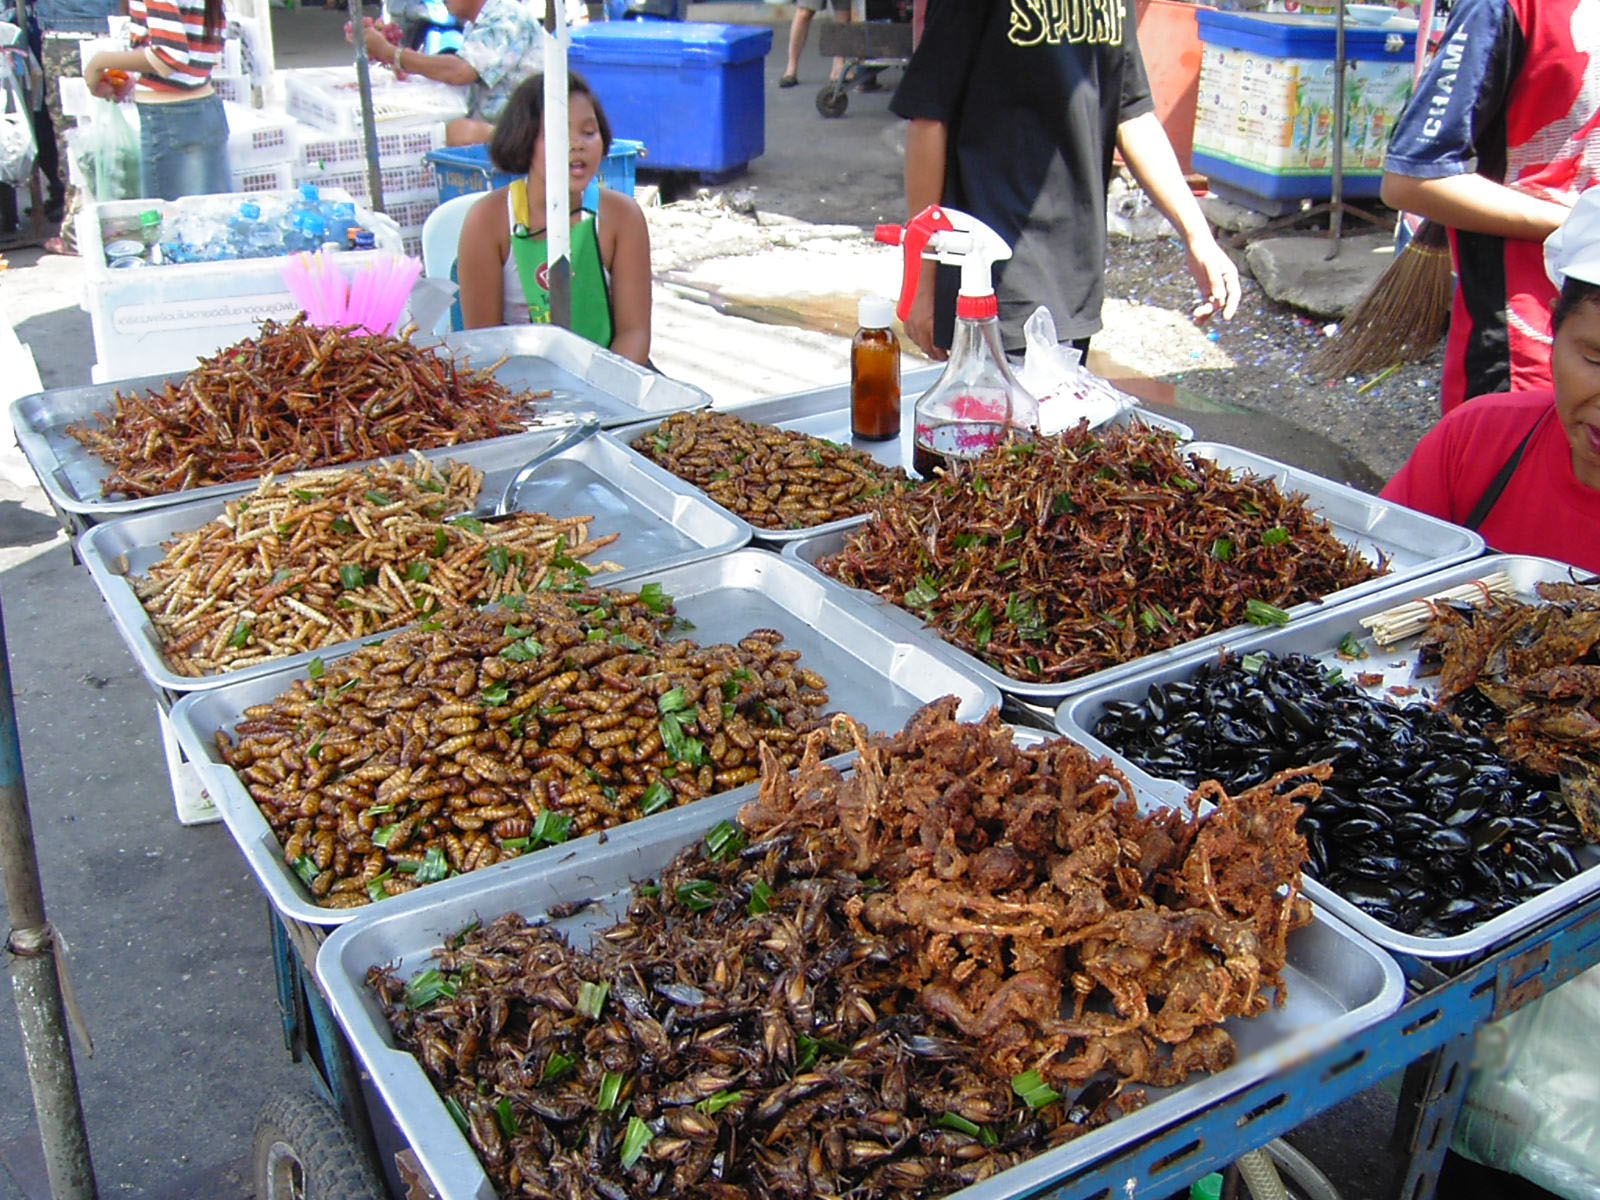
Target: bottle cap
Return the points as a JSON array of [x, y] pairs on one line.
[[308, 191], [875, 312], [250, 210], [1208, 1187], [149, 218]]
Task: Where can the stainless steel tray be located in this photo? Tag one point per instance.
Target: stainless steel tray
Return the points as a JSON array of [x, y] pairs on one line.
[[825, 413], [586, 379], [662, 521], [872, 674], [1337, 985], [1414, 542], [1318, 636]]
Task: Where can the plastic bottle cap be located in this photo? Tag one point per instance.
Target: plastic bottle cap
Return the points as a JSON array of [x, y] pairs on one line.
[[1208, 1187], [875, 312], [250, 210], [308, 191], [149, 218]]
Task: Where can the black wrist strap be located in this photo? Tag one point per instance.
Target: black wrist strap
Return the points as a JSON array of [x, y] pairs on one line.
[[1497, 485]]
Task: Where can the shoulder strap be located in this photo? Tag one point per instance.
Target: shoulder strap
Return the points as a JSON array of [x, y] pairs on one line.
[[1497, 485]]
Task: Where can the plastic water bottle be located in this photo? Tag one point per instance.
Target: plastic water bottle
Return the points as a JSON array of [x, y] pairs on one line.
[[309, 232], [341, 219], [265, 241], [242, 226]]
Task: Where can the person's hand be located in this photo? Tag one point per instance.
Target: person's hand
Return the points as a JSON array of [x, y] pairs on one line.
[[106, 82], [379, 48], [1216, 276], [919, 325]]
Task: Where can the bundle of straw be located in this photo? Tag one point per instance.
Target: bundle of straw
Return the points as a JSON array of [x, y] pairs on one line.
[[1403, 315], [373, 301]]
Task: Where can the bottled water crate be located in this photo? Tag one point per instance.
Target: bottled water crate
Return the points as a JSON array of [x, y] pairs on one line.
[[258, 137], [152, 319]]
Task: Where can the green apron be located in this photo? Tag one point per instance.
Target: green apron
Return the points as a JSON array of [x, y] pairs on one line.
[[591, 298]]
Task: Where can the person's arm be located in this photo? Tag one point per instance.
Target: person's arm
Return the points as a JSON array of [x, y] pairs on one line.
[[480, 259], [444, 68], [1475, 203], [630, 275], [1149, 156], [132, 61], [927, 143]]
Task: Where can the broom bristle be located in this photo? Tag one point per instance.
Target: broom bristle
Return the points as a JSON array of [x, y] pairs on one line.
[[1402, 316]]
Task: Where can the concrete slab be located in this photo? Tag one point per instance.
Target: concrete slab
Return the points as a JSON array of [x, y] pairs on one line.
[[1298, 271]]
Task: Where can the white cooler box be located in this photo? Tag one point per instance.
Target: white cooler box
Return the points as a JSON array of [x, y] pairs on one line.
[[150, 320]]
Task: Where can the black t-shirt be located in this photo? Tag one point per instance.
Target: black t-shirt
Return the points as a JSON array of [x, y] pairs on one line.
[[1032, 92]]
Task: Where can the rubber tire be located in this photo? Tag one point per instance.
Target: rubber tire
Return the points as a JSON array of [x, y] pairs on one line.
[[303, 1150], [832, 100]]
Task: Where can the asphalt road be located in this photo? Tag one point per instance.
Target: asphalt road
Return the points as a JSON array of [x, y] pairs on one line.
[[166, 929]]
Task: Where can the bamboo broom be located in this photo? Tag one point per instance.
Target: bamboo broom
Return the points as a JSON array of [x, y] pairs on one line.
[[1401, 317]]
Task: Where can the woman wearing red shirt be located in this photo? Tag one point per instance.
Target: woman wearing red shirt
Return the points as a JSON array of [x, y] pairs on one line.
[[1523, 468]]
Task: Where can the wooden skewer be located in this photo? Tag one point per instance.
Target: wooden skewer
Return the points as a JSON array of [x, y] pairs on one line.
[[1403, 620]]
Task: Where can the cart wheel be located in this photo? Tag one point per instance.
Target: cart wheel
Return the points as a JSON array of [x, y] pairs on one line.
[[832, 100], [304, 1151]]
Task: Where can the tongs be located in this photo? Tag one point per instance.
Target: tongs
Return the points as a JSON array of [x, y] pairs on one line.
[[555, 449]]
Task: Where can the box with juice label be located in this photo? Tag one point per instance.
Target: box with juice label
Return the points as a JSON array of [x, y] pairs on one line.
[[1264, 121]]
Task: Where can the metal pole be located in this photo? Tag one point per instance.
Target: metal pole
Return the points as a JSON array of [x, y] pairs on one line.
[[369, 123], [1336, 203], [31, 947], [557, 201]]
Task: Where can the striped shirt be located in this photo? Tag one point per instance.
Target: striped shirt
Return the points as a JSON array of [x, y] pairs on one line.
[[183, 56]]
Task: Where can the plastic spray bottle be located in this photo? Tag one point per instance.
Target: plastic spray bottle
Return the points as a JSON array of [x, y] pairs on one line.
[[977, 402]]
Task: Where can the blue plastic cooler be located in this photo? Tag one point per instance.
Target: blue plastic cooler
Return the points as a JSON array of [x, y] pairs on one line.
[[1264, 114], [689, 90]]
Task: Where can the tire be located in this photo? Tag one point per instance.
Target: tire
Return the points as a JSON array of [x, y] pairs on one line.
[[303, 1150], [832, 100]]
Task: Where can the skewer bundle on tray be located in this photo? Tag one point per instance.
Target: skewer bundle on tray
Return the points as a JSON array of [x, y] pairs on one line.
[[483, 734], [773, 478], [885, 985], [312, 560], [292, 397], [1054, 558]]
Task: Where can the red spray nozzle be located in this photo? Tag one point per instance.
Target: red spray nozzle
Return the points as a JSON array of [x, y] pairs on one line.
[[913, 236]]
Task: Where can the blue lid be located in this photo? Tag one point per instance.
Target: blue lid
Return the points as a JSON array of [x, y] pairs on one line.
[[308, 191], [669, 43], [344, 209], [1301, 35], [250, 210]]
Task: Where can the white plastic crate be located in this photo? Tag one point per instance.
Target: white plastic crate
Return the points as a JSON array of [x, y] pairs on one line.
[[153, 319], [235, 89], [269, 177], [399, 183], [413, 244], [326, 98], [258, 136], [319, 150], [410, 214]]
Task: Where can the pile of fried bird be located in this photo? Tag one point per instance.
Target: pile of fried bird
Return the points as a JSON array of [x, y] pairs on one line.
[[1053, 558], [894, 983], [1533, 672], [296, 396]]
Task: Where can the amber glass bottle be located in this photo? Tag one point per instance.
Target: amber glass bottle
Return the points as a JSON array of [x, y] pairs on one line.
[[875, 372]]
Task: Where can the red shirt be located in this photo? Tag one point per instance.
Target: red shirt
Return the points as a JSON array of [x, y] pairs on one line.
[[1544, 510]]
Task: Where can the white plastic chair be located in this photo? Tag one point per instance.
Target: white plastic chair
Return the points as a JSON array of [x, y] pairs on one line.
[[441, 235]]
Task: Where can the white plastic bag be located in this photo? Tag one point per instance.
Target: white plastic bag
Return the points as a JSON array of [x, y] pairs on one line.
[[110, 153], [1067, 391], [1533, 1106]]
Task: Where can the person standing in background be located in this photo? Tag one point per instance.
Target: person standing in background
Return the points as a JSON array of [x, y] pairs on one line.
[[502, 44], [1496, 144], [64, 25], [1015, 109], [800, 27], [183, 131]]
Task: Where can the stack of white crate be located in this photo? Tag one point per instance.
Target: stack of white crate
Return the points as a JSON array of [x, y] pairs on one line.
[[410, 117], [261, 145]]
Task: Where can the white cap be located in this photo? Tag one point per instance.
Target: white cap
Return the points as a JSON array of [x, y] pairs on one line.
[[1573, 250], [875, 312]]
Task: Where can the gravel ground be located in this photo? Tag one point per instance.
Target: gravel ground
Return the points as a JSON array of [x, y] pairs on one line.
[[1261, 359]]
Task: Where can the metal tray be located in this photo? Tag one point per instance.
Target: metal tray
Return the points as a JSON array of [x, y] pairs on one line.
[[1318, 636], [825, 413], [662, 520], [1415, 543], [586, 379], [872, 675], [1337, 985]]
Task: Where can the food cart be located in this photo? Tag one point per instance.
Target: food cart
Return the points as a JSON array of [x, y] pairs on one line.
[[1371, 1003]]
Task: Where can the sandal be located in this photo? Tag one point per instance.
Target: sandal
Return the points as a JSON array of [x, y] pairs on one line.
[[788, 80], [54, 245]]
